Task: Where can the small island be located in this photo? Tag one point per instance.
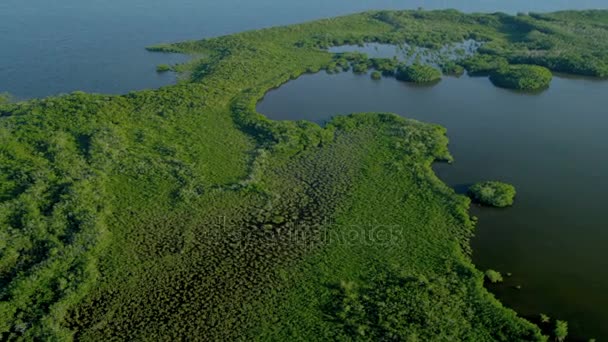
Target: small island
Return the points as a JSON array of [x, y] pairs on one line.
[[376, 75], [494, 276], [163, 68], [418, 73], [492, 193], [522, 77]]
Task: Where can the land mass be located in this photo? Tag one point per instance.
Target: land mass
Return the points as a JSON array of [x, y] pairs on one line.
[[182, 213]]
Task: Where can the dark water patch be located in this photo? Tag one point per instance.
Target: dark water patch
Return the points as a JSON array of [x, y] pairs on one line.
[[551, 146]]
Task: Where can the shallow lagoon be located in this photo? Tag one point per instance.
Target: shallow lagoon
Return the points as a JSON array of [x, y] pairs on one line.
[[551, 146]]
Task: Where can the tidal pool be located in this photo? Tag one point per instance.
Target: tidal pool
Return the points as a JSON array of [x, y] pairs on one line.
[[552, 146]]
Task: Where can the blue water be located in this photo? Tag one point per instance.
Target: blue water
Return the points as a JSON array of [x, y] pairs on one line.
[[52, 47]]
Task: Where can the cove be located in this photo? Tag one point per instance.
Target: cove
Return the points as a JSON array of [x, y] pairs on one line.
[[551, 146]]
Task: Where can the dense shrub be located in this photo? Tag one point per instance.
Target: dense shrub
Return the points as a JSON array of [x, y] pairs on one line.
[[376, 75], [561, 330], [484, 65], [163, 68], [494, 276], [418, 73], [5, 98], [522, 77], [493, 193], [452, 68], [386, 66], [360, 68]]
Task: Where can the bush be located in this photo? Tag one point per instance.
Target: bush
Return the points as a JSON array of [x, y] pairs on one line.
[[522, 77], [484, 65], [544, 318], [386, 66], [360, 68], [452, 68], [5, 98], [494, 276], [493, 193], [418, 73], [561, 330], [163, 68], [376, 75]]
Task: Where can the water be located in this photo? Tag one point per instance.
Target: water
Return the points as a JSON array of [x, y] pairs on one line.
[[551, 146], [412, 54], [52, 47]]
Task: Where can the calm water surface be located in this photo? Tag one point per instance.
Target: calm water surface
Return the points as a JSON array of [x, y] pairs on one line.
[[551, 146], [52, 47]]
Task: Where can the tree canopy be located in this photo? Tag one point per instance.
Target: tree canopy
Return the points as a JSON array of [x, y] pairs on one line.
[[418, 73], [522, 77], [493, 193]]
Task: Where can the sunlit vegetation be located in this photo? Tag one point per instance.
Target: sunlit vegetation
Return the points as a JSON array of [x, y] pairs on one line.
[[494, 276], [418, 73], [181, 212], [522, 77], [376, 75], [561, 330], [492, 193], [544, 318], [163, 68], [5, 98]]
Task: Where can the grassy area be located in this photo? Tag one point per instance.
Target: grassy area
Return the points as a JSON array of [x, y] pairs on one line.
[[182, 213]]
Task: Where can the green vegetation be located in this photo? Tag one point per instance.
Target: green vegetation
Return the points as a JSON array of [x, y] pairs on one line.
[[494, 276], [182, 212], [376, 75], [418, 73], [452, 69], [484, 65], [544, 318], [522, 77], [493, 193], [386, 66], [5, 98], [163, 68], [561, 330]]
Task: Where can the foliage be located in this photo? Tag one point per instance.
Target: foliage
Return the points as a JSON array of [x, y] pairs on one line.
[[544, 318], [386, 66], [522, 77], [418, 73], [163, 68], [494, 276], [484, 65], [376, 75], [5, 98], [561, 330], [452, 68], [493, 193]]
